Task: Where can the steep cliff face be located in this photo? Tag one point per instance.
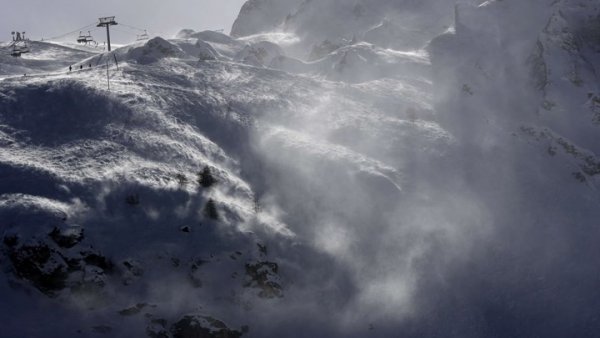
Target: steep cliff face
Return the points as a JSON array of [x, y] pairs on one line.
[[258, 16], [566, 68], [397, 24], [542, 70]]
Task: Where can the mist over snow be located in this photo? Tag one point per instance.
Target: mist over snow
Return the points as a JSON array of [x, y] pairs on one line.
[[330, 168]]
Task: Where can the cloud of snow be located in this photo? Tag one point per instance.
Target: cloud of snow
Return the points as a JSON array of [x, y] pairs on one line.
[[427, 239]]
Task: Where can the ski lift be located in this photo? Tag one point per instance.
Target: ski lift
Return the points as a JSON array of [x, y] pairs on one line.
[[22, 46], [18, 36], [18, 49], [143, 36], [19, 44], [81, 38], [85, 39], [16, 52], [24, 49]]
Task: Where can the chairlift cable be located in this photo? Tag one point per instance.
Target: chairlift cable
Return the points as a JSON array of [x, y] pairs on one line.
[[72, 32], [123, 31], [132, 27]]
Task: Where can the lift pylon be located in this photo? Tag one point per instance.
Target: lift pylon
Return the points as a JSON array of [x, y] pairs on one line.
[[107, 22]]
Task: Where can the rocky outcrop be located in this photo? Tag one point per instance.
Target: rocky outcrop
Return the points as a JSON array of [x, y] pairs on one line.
[[194, 326], [264, 276], [57, 262], [258, 16]]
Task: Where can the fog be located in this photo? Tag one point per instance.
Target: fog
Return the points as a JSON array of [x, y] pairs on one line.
[[469, 239]]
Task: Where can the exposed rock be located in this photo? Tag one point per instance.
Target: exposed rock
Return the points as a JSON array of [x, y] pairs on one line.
[[193, 326], [264, 276], [42, 266], [134, 310], [96, 259], [158, 329], [67, 238], [260, 54], [133, 270], [11, 240], [262, 15], [50, 266]]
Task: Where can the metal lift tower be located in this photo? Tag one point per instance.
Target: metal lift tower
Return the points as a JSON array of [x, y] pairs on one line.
[[107, 22]]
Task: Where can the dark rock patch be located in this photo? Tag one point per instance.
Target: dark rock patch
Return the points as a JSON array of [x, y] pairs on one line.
[[66, 238], [134, 310], [202, 327], [96, 259], [264, 276], [49, 266], [42, 266]]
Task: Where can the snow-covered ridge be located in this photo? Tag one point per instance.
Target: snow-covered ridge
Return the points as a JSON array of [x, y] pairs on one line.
[[395, 24], [116, 200]]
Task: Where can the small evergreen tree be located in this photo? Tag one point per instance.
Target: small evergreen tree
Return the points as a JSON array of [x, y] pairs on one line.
[[181, 179], [205, 178], [133, 199], [210, 210]]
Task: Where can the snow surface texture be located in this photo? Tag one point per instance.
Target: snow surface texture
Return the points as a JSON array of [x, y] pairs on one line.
[[343, 169]]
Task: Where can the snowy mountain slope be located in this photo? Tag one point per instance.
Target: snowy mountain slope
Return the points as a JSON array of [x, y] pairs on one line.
[[360, 62], [363, 188], [395, 24], [45, 57], [487, 82], [530, 79], [114, 179], [569, 49], [533, 175], [124, 164]]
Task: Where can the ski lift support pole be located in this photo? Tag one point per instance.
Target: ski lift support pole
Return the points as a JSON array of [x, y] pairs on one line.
[[107, 22], [107, 76]]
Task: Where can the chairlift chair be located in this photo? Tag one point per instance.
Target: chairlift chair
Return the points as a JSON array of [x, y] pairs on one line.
[[89, 38], [23, 46], [86, 39], [16, 52], [81, 38], [19, 47]]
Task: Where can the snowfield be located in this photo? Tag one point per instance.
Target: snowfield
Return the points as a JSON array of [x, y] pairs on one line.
[[332, 169]]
